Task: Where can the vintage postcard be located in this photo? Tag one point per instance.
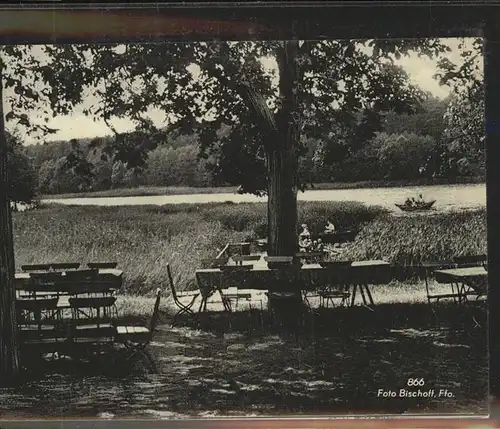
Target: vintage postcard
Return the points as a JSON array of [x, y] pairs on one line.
[[243, 228]]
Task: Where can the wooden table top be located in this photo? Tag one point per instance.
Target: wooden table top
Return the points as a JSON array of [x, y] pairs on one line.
[[103, 271], [261, 265], [463, 272]]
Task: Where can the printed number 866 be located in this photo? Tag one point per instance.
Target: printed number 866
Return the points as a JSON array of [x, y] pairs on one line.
[[415, 382]]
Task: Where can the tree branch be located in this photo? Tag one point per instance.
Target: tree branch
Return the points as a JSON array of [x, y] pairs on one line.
[[254, 101]]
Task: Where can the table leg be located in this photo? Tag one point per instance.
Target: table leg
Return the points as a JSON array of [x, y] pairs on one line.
[[353, 294], [361, 290], [203, 303], [368, 292]]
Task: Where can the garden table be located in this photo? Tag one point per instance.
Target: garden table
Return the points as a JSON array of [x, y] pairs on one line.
[[308, 276], [53, 294], [108, 278], [473, 280]]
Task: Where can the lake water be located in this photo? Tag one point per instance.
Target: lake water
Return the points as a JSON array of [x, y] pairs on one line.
[[448, 197]]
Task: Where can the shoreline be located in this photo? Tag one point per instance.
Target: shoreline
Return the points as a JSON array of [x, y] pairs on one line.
[[143, 191]]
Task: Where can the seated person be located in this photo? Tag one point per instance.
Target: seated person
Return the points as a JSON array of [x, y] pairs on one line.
[[305, 231], [305, 244], [330, 227], [320, 247]]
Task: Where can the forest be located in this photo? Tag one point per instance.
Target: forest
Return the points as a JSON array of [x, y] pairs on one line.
[[422, 144]]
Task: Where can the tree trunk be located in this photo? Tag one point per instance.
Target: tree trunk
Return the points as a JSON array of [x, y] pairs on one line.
[[9, 354], [282, 161]]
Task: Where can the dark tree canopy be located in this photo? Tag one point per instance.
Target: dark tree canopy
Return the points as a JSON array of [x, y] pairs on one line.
[[23, 179], [341, 89]]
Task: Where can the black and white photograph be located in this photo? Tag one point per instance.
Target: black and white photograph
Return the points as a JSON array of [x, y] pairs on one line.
[[243, 229]]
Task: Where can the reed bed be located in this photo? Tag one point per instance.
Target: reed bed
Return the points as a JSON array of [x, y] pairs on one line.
[[143, 239]]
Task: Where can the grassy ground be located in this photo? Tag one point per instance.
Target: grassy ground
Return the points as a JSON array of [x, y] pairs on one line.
[[143, 239], [335, 365], [185, 190]]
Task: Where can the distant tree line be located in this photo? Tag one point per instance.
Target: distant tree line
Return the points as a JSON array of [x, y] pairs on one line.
[[392, 146]]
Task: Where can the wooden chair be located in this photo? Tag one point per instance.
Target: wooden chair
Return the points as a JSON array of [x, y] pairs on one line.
[[230, 295], [182, 308], [137, 338], [239, 249], [469, 260], [38, 324], [42, 284], [98, 309], [338, 284], [428, 269]]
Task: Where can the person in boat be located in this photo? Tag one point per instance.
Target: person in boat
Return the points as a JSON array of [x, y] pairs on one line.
[[330, 227], [420, 200]]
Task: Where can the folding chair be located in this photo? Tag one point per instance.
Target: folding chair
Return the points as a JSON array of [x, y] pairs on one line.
[[428, 269], [229, 295], [183, 308], [137, 338]]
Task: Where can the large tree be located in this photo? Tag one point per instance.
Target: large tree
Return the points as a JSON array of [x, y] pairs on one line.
[[273, 95]]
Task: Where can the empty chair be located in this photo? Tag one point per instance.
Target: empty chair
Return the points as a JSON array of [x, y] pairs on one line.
[[100, 309], [339, 281], [470, 260], [428, 269], [182, 308], [43, 284], [137, 338], [230, 295]]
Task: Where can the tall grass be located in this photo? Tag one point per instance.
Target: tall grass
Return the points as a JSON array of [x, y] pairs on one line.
[[415, 239], [143, 239]]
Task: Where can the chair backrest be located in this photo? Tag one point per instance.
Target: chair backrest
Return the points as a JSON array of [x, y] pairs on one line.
[[244, 258], [214, 262], [171, 283], [283, 259], [43, 279], [277, 262], [156, 312], [65, 266], [82, 274], [232, 268], [35, 267], [98, 265], [469, 260]]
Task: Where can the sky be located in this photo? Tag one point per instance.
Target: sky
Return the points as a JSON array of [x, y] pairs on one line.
[[77, 125]]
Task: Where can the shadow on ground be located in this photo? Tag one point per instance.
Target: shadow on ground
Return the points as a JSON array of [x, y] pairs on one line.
[[235, 364]]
